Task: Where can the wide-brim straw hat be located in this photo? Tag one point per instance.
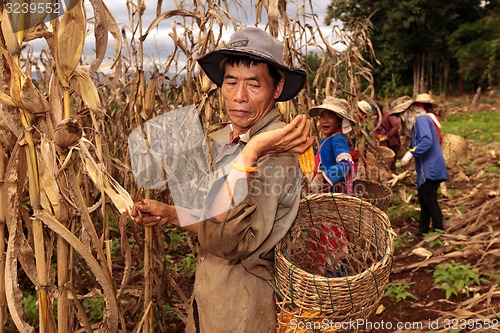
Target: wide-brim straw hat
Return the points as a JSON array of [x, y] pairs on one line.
[[337, 105], [400, 104], [365, 107], [424, 98], [259, 45]]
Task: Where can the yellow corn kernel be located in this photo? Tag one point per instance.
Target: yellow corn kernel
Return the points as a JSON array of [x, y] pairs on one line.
[[306, 161]]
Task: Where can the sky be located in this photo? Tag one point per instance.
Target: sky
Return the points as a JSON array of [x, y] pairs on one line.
[[158, 43]]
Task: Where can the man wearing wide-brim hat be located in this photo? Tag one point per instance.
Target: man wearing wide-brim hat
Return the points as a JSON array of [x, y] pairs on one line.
[[429, 161], [255, 194], [333, 160]]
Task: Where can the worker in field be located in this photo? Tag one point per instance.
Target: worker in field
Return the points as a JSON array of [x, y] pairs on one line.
[[430, 165], [254, 195], [386, 130], [334, 166]]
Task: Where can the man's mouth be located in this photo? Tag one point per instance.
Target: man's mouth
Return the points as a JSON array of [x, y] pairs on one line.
[[239, 113]]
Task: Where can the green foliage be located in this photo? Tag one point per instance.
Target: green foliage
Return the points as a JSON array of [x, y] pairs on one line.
[[475, 126], [175, 235], [494, 278], [493, 169], [438, 241], [94, 307], [188, 263], [410, 212], [455, 278], [416, 35], [115, 245], [170, 312], [398, 292], [30, 309], [476, 46], [403, 240], [470, 171]]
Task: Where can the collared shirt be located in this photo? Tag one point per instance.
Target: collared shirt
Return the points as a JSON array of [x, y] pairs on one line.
[[232, 289], [429, 160]]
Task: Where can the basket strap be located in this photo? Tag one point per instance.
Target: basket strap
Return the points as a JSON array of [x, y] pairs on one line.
[[350, 292], [374, 279], [338, 212]]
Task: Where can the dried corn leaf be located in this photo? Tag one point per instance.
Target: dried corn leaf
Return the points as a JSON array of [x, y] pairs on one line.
[[71, 37], [9, 36], [115, 32], [12, 188], [9, 101], [100, 33], [17, 77], [55, 99], [150, 97], [104, 182], [272, 12], [167, 15], [39, 31], [110, 320], [421, 252], [50, 199]]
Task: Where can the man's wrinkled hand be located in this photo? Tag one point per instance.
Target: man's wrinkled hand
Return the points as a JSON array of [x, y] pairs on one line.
[[150, 213], [292, 138]]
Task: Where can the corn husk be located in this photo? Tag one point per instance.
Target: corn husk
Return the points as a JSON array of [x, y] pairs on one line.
[[85, 88], [71, 37], [11, 42], [68, 132]]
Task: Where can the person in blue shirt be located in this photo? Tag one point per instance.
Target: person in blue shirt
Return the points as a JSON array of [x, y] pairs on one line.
[[430, 165], [334, 169]]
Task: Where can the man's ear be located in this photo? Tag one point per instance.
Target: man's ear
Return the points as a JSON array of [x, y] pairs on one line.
[[279, 88]]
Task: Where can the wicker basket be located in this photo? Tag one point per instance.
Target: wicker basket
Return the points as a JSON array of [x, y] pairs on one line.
[[335, 261], [387, 155], [454, 147], [377, 194]]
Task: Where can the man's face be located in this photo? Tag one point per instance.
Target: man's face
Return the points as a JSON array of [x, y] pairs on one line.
[[330, 123], [249, 94]]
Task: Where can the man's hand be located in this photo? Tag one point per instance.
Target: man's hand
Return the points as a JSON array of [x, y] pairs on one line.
[[406, 158], [152, 213], [292, 138]]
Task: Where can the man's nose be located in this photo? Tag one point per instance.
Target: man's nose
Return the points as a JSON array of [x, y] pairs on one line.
[[241, 93]]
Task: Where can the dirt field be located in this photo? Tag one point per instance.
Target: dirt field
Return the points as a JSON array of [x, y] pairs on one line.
[[471, 207]]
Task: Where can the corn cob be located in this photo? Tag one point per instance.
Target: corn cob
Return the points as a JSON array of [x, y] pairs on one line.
[[306, 162]]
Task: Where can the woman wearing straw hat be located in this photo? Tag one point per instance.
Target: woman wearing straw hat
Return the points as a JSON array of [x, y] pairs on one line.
[[425, 101], [387, 131], [333, 160], [429, 161], [255, 191]]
